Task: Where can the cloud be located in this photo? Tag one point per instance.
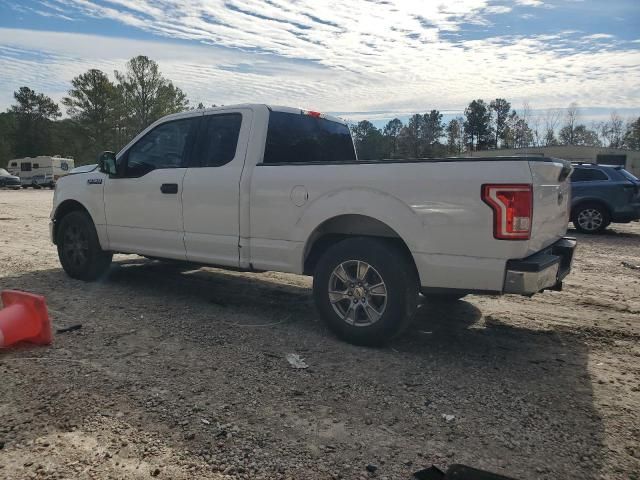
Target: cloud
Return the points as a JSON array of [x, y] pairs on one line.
[[356, 56], [598, 36], [530, 3]]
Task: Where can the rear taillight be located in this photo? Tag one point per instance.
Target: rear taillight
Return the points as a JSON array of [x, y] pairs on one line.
[[512, 206]]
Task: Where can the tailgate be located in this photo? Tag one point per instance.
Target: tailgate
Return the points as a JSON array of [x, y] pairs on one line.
[[551, 201]]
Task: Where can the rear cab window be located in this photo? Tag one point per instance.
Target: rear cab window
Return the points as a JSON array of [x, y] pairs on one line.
[[588, 175], [296, 138]]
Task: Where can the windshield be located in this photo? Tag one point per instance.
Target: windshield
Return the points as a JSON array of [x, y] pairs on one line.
[[629, 175], [4, 173]]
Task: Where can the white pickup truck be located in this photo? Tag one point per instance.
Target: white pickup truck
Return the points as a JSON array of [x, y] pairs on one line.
[[257, 187]]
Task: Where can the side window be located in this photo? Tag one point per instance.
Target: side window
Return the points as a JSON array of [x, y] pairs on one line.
[[162, 147], [588, 175], [36, 165], [25, 167], [219, 139], [14, 164]]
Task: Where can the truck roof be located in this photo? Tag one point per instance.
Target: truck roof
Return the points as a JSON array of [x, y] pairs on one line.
[[276, 108]]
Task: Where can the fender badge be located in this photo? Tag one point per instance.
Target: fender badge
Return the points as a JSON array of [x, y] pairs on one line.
[[94, 181]]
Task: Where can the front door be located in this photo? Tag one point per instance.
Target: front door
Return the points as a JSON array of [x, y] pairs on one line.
[[143, 203]]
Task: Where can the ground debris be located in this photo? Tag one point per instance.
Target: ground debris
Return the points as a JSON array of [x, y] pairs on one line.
[[632, 266], [70, 328], [296, 361]]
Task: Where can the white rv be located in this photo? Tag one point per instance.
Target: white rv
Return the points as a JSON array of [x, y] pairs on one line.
[[41, 171]]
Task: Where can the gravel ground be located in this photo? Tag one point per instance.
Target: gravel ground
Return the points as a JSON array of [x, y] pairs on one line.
[[181, 374]]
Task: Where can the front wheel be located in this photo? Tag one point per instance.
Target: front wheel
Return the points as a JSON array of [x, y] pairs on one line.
[[366, 290], [591, 218], [79, 249]]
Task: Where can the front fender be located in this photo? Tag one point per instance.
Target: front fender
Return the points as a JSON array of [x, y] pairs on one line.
[[87, 190]]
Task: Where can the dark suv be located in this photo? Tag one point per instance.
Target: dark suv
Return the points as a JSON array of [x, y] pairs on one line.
[[602, 194]]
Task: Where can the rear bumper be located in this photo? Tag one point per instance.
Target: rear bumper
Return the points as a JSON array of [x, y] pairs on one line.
[[543, 270]]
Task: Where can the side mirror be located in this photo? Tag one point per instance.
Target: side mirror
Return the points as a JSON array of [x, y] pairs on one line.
[[107, 163]]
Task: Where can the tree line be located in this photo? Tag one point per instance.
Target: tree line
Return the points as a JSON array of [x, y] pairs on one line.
[[105, 114], [487, 126], [101, 114]]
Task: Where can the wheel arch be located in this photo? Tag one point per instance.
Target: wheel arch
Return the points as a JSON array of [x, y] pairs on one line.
[[66, 207], [340, 227], [590, 200]]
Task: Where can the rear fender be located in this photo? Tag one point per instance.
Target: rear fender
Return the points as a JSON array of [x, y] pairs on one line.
[[364, 201]]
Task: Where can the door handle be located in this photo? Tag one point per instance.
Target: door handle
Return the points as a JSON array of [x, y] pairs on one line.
[[169, 188]]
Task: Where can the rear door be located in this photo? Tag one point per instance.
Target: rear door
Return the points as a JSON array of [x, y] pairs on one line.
[[211, 192], [143, 204], [551, 201]]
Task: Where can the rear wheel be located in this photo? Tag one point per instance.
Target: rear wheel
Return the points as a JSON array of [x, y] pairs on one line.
[[366, 290], [79, 249], [591, 218]]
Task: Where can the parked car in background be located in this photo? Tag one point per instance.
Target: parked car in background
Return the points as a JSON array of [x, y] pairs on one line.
[[8, 181], [602, 194], [42, 171]]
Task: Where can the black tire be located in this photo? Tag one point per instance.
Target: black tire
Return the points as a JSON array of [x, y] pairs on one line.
[[590, 218], [443, 297], [79, 249], [401, 286]]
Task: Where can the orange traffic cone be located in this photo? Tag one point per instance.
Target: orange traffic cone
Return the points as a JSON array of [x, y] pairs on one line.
[[24, 318]]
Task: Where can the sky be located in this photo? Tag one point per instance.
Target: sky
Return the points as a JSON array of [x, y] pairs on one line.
[[374, 59]]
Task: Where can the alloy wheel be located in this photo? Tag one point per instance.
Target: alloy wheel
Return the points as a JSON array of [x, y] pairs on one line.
[[358, 293], [590, 219], [76, 246]]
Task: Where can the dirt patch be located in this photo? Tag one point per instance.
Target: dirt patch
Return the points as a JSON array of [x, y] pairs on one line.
[[182, 374]]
